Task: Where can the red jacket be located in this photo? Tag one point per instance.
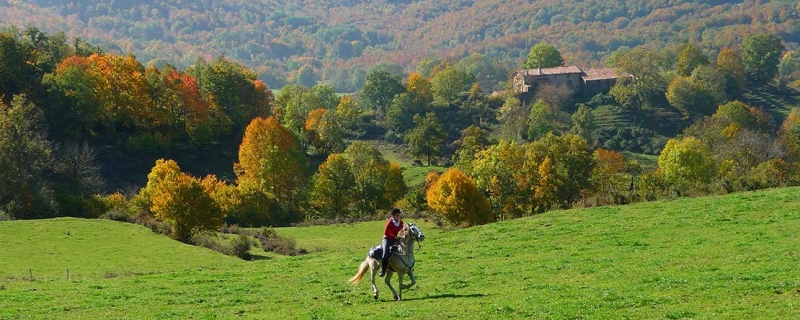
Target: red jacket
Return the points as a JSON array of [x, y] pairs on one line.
[[390, 231]]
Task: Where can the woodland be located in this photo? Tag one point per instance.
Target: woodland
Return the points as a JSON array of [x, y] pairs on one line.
[[91, 132]]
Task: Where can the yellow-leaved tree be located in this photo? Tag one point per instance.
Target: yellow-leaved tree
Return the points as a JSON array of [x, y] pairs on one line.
[[455, 197], [181, 200], [270, 160]]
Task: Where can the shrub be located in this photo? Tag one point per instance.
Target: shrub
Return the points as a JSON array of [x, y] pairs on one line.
[[240, 247], [272, 242]]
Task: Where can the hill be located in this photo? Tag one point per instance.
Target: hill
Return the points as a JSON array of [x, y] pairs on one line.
[[338, 40], [731, 257]]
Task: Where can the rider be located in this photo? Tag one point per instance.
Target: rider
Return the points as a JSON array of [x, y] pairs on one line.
[[393, 225]]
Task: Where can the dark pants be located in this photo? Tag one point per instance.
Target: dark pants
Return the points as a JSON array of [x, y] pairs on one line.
[[386, 245]]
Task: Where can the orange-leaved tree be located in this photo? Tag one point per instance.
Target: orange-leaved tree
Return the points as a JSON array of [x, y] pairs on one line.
[[270, 160], [455, 197]]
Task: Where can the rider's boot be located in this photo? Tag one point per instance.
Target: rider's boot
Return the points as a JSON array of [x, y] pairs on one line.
[[383, 268]]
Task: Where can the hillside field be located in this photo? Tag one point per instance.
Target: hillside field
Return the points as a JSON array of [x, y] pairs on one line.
[[723, 257]]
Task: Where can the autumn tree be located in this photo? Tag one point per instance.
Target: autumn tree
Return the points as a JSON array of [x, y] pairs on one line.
[[495, 171], [455, 196], [427, 137], [270, 160], [513, 117], [181, 200], [572, 164], [730, 64], [543, 55], [608, 176], [77, 109], [761, 54]]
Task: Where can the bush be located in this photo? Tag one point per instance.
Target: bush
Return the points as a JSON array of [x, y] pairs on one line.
[[272, 242], [240, 247]]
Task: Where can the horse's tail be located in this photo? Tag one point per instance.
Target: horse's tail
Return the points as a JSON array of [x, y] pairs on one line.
[[361, 271]]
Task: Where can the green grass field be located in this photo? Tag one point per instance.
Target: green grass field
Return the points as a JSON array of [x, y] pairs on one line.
[[726, 257]]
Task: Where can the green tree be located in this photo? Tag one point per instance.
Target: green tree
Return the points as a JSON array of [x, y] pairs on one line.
[[379, 183], [427, 138], [495, 170], [689, 58], [543, 55], [584, 123], [306, 76], [333, 188], [687, 161], [572, 164], [541, 121], [379, 90], [513, 117], [473, 140], [26, 158], [761, 54], [449, 83], [645, 86]]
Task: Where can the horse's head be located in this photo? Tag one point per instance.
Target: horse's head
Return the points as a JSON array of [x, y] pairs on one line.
[[415, 232]]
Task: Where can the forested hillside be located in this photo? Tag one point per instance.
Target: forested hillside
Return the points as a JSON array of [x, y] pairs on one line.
[[339, 41]]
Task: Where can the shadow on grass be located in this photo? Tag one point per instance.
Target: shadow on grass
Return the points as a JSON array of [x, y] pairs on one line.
[[448, 295]]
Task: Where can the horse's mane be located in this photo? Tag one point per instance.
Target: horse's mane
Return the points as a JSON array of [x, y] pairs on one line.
[[403, 232]]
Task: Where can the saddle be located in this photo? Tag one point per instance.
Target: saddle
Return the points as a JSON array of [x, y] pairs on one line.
[[377, 253]]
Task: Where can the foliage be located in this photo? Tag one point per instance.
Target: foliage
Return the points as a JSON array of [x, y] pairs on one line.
[[427, 138], [730, 64], [26, 160], [543, 55], [182, 201], [761, 54], [455, 196], [473, 140], [646, 85], [333, 188], [378, 182], [687, 161], [379, 90], [449, 83], [689, 58]]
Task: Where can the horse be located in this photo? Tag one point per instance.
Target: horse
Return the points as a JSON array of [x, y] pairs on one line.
[[401, 262]]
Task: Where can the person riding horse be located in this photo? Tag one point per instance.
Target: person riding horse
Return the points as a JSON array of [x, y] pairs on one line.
[[393, 225]]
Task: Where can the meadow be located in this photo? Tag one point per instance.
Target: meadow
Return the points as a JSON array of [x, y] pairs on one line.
[[722, 257]]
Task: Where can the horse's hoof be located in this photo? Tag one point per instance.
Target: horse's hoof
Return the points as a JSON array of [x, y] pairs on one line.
[[375, 296], [397, 298]]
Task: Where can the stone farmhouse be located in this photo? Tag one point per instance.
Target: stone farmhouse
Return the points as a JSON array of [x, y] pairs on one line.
[[588, 81]]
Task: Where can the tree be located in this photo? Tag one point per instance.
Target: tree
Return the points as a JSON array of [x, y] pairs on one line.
[[427, 138], [306, 76], [379, 183], [292, 106], [455, 196], [379, 90], [572, 164], [584, 123], [448, 83], [687, 161], [236, 90], [761, 54], [26, 158], [645, 86], [513, 117], [689, 58], [541, 121], [182, 201], [333, 188], [473, 140], [270, 160], [495, 170], [76, 109], [543, 55], [730, 64], [420, 89]]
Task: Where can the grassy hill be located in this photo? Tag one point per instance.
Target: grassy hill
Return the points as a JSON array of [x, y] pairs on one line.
[[725, 257]]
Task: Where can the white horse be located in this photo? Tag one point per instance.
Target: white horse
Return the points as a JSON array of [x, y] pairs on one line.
[[401, 262]]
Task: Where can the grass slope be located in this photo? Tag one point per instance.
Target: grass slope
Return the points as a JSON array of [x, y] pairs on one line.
[[726, 257]]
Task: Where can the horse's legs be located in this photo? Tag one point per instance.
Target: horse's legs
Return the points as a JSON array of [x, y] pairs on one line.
[[389, 282], [373, 270], [399, 294], [413, 281]]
